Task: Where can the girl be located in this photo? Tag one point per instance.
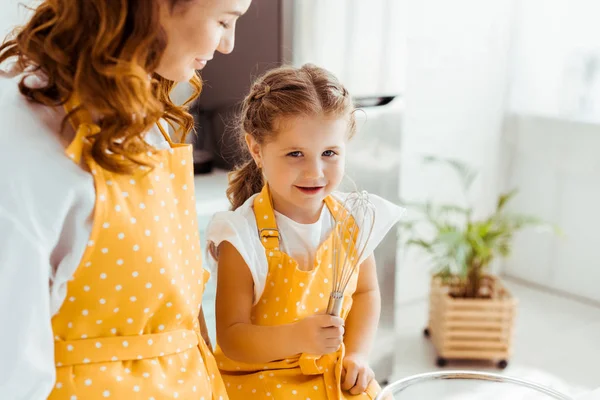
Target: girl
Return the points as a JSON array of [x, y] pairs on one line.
[[274, 250], [101, 279]]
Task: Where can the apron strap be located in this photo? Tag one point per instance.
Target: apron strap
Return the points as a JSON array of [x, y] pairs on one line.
[[165, 134], [336, 208], [265, 219], [82, 125], [268, 230]]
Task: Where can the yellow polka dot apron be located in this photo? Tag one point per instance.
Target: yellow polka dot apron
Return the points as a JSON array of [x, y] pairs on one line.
[[291, 294], [128, 328]]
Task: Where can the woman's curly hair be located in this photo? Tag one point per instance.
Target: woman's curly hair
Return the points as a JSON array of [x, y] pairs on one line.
[[105, 52]]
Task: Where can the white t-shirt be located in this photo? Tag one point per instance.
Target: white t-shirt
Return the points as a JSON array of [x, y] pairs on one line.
[[46, 204], [300, 241]]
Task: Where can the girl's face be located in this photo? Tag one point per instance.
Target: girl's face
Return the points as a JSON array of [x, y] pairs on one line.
[[195, 30], [303, 163]]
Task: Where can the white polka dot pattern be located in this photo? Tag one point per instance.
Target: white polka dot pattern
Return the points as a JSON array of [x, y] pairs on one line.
[[117, 338], [291, 294]]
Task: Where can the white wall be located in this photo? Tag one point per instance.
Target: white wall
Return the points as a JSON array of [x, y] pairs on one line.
[[455, 100], [553, 136], [11, 15], [555, 164], [361, 42], [556, 60]]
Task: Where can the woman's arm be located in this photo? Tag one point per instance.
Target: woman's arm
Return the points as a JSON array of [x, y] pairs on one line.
[[204, 329], [26, 340]]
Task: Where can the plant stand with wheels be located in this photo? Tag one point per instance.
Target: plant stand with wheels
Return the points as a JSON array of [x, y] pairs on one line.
[[471, 328]]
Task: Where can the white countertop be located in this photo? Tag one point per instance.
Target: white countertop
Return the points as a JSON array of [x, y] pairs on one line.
[[210, 195]]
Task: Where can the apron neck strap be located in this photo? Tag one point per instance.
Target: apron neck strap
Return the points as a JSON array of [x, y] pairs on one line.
[[265, 219], [83, 126], [266, 223]]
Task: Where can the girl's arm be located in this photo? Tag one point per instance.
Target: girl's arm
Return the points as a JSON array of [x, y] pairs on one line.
[[243, 341], [361, 326]]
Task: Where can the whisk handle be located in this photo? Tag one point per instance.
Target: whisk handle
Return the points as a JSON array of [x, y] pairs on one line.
[[334, 307]]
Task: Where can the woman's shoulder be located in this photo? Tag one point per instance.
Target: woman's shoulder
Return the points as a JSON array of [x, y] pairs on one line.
[[40, 179], [23, 121], [30, 135]]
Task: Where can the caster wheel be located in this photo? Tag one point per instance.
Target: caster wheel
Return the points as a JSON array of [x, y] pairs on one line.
[[441, 362], [502, 364], [426, 332]]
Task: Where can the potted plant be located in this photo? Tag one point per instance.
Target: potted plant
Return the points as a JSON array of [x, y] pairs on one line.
[[471, 314]]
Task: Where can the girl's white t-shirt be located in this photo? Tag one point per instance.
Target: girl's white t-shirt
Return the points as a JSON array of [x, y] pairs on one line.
[[300, 241]]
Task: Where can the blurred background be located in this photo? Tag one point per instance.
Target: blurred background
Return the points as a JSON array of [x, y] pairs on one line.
[[509, 87]]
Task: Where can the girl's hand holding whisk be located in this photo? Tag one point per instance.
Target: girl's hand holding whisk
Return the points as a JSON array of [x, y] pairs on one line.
[[319, 334]]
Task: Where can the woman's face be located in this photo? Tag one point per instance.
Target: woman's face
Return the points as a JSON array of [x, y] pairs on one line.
[[195, 30]]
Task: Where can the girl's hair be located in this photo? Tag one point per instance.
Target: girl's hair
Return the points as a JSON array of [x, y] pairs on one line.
[[105, 51], [282, 93]]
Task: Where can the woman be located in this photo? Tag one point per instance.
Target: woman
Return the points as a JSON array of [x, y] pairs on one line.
[[100, 275]]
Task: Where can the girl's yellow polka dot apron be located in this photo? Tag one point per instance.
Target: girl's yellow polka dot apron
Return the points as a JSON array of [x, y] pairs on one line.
[[291, 294], [128, 328]]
